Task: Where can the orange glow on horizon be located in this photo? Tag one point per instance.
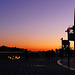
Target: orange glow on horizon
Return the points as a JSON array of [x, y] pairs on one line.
[[37, 47], [34, 44]]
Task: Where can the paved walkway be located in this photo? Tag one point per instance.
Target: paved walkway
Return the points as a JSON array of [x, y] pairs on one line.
[[36, 66], [64, 63]]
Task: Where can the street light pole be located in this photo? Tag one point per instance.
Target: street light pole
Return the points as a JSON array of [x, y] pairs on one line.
[[74, 29], [62, 49], [68, 49]]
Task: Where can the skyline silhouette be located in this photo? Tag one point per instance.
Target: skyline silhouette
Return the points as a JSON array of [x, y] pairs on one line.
[[37, 37]]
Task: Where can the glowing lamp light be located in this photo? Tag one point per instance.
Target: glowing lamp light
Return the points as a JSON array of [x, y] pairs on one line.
[[19, 57], [10, 57], [15, 57]]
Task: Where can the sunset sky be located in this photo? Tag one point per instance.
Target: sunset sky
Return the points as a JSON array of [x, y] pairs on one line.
[[36, 25]]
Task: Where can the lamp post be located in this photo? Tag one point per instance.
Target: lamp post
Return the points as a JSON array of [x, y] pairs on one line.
[[68, 50], [74, 31], [68, 30], [62, 49]]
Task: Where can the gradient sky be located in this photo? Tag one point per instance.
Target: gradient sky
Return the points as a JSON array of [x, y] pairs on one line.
[[37, 25]]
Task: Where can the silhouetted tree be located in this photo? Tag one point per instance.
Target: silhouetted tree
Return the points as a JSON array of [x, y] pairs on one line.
[[48, 54], [26, 53], [52, 54]]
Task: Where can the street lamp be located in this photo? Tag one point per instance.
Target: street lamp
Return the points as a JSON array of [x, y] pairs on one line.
[[68, 30]]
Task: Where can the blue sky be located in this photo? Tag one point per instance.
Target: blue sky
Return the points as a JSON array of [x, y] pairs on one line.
[[35, 24]]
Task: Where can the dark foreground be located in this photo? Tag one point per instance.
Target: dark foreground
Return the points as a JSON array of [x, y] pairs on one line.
[[34, 66]]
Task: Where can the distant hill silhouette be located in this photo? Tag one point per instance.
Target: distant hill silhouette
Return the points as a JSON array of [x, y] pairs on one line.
[[5, 48]]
